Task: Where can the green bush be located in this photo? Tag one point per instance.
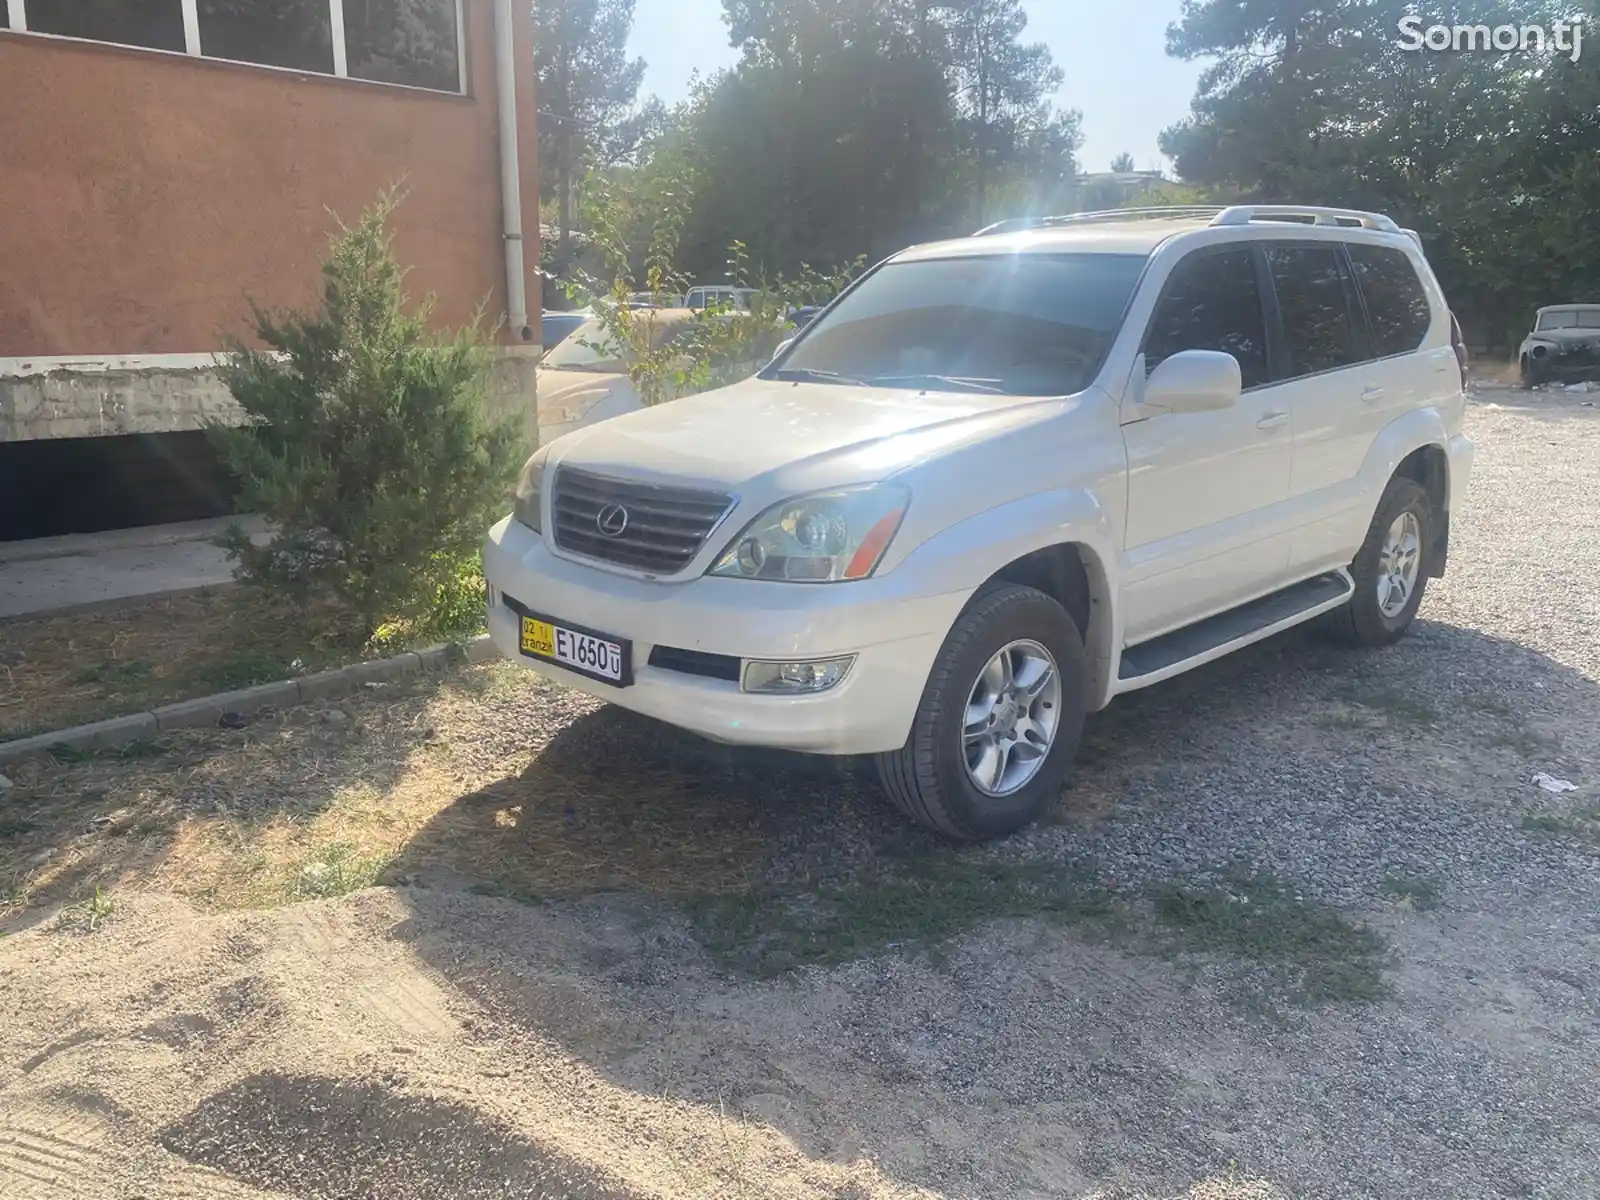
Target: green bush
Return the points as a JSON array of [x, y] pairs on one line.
[[368, 449]]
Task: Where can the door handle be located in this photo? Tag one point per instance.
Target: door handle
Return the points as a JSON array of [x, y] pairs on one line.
[[1368, 395], [1273, 420]]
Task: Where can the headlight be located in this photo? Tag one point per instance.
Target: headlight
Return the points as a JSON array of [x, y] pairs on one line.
[[825, 537], [530, 490]]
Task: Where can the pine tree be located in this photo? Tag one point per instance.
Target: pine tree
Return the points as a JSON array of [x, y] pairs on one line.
[[366, 446]]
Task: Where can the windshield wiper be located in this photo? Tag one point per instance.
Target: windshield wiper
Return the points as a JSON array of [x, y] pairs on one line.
[[954, 382], [812, 375]]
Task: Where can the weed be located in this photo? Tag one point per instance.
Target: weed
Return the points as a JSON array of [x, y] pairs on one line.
[[244, 667], [11, 827], [141, 748], [113, 673], [1584, 824], [1422, 891], [1395, 702], [335, 869], [1257, 917], [88, 915], [1527, 742], [925, 903]]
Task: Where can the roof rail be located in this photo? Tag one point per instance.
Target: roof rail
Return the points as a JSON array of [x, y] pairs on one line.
[[1175, 212], [1243, 214]]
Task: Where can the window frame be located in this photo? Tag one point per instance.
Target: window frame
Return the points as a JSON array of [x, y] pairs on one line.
[[1117, 332], [1366, 311], [1281, 361], [1264, 296], [16, 13]]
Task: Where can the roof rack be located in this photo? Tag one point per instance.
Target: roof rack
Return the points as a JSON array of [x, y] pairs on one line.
[[1238, 214], [1019, 224], [1243, 214]]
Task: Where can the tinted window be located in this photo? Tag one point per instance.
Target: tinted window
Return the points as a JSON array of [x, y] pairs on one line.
[[1397, 305], [1212, 302], [156, 24], [1024, 324], [403, 41], [276, 33], [1316, 320]]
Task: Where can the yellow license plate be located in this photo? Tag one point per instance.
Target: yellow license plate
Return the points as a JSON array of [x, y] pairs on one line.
[[538, 637], [592, 654]]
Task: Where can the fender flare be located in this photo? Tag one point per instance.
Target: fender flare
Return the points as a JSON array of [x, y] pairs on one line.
[[966, 555]]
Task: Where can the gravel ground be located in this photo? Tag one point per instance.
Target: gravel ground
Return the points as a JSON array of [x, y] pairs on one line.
[[421, 1041]]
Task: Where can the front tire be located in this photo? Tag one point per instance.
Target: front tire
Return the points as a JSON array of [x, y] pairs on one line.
[[999, 720], [1391, 568]]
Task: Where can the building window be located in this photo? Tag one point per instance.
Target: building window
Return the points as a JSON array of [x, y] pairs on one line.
[[154, 24], [403, 41], [275, 33], [416, 43]]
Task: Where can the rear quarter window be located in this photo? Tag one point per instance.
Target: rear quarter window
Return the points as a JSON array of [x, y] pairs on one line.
[[1397, 304]]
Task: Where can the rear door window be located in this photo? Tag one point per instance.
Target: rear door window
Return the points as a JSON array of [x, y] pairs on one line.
[[1212, 301], [1317, 327], [1397, 304]]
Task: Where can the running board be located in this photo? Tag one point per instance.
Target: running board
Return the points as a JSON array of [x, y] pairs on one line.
[[1173, 653]]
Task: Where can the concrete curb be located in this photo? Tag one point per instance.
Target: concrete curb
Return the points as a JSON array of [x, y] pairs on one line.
[[206, 711]]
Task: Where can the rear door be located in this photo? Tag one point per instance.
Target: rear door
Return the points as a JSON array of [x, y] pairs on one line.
[[1353, 316]]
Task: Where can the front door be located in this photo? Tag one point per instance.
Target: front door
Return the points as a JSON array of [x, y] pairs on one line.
[[1206, 527]]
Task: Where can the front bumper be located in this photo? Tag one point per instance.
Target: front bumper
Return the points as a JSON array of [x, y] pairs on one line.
[[894, 635]]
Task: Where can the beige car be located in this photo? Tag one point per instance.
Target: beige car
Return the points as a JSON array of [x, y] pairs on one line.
[[585, 379]]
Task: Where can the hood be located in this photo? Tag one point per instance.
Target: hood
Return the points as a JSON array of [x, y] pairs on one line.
[[1564, 337], [565, 396], [798, 435]]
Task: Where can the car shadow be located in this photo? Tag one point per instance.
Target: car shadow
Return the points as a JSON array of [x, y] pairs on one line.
[[585, 943]]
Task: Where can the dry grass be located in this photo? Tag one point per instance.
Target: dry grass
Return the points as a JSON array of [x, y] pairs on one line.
[[487, 775], [64, 670]]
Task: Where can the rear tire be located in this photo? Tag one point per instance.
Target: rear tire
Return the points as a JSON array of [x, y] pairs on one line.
[[955, 739], [1390, 570]]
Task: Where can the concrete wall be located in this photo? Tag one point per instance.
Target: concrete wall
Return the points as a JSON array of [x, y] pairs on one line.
[[144, 196]]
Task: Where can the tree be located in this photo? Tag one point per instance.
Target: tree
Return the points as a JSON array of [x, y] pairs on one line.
[[1488, 155], [1122, 163], [368, 449], [587, 89], [1004, 88]]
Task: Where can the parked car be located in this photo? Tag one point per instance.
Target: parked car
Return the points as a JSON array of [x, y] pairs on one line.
[[1000, 482], [699, 298], [655, 300], [1564, 344], [557, 327], [586, 379]]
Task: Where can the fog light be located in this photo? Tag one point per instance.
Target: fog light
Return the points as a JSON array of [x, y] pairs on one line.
[[796, 678]]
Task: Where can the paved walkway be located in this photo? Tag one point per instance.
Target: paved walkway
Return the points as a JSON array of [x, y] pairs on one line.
[[50, 574]]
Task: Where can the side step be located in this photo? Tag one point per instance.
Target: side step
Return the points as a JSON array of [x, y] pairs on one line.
[[1215, 636]]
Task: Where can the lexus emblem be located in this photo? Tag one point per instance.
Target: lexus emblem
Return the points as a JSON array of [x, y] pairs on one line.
[[612, 520]]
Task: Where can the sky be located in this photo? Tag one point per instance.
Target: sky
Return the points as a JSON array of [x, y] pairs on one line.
[[1117, 70]]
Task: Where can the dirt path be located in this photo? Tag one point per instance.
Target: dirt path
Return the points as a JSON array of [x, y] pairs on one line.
[[1321, 936]]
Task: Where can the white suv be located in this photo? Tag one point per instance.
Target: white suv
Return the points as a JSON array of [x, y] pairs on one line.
[[1000, 481]]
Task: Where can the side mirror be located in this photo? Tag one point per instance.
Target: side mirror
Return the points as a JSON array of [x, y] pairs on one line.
[[1194, 381], [782, 346]]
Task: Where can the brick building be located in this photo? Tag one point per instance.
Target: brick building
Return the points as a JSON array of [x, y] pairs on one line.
[[165, 159]]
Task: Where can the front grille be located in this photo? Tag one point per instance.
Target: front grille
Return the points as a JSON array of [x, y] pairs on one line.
[[665, 526], [696, 662]]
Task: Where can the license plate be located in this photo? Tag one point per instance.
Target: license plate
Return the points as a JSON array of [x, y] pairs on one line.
[[587, 653]]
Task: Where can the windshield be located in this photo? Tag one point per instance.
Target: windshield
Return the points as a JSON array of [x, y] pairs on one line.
[[591, 347], [1022, 324], [1568, 318]]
